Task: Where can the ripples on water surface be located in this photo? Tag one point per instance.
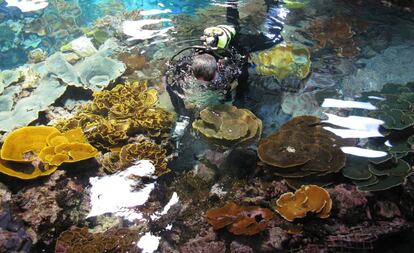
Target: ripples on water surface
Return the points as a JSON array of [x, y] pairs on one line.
[[356, 48]]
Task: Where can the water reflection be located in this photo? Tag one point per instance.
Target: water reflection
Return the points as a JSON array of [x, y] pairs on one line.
[[362, 152], [357, 126], [330, 102]]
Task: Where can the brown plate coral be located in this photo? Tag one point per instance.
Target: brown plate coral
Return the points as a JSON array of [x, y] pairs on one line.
[[228, 125], [302, 148], [239, 220], [283, 60], [309, 198], [34, 151]]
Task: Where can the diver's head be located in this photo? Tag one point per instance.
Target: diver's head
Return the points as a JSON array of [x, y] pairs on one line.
[[204, 67]]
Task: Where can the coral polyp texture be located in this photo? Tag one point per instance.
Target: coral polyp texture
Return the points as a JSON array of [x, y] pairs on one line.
[[302, 150], [118, 160], [34, 151], [308, 198], [283, 60], [337, 33], [79, 240], [227, 125], [118, 114], [239, 220]]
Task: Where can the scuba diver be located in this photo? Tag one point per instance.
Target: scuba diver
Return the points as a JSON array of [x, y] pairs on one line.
[[217, 71]]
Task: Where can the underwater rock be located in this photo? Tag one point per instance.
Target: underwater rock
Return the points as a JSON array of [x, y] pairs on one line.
[[277, 237], [349, 204], [381, 69], [387, 209], [300, 104], [14, 237], [50, 206], [208, 242], [236, 247]]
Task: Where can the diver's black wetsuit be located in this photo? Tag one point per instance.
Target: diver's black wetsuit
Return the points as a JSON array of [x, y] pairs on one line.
[[247, 43], [237, 68], [273, 25]]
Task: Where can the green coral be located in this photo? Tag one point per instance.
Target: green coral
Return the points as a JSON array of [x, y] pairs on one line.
[[396, 108], [370, 176]]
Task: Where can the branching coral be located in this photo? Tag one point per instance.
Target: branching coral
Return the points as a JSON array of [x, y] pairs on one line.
[[34, 151], [302, 148], [123, 112], [283, 60], [309, 198], [239, 220], [79, 240], [228, 125]]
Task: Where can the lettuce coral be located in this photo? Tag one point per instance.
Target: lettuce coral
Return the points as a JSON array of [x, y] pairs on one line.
[[309, 198], [79, 240], [118, 160], [34, 151], [118, 114]]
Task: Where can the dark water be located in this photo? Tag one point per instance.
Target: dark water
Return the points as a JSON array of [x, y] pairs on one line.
[[355, 47]]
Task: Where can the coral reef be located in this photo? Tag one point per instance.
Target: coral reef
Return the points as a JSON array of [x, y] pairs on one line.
[[395, 109], [228, 125], [283, 60], [371, 176], [113, 240], [118, 114], [308, 198], [302, 150], [239, 220], [47, 81], [337, 33], [35, 151], [143, 150], [57, 202]]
